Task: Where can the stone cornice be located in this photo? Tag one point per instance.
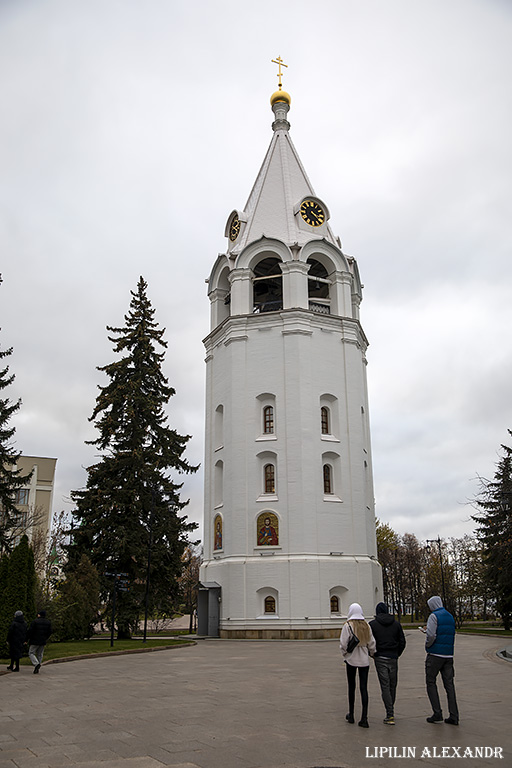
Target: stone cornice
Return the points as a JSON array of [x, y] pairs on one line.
[[288, 321]]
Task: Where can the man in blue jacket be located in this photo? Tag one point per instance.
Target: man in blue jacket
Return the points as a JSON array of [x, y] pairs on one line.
[[439, 645]]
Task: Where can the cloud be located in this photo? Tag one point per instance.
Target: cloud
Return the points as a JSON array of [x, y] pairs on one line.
[[128, 135]]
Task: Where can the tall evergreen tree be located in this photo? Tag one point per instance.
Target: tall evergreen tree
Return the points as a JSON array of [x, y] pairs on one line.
[[494, 521], [129, 511], [11, 478], [76, 606], [19, 591], [4, 573]]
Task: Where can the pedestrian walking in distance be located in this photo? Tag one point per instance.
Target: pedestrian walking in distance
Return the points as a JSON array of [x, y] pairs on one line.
[[38, 634], [16, 637], [439, 644], [357, 661], [390, 641]]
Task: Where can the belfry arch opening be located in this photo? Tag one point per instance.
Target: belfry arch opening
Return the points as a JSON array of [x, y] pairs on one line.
[[267, 286], [318, 288]]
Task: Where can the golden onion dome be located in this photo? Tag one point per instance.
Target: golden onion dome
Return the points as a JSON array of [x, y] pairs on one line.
[[280, 96]]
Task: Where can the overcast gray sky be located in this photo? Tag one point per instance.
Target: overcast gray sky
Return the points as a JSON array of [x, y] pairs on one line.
[[131, 130]]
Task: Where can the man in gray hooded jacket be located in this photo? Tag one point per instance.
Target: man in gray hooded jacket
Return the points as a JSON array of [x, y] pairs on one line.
[[439, 645]]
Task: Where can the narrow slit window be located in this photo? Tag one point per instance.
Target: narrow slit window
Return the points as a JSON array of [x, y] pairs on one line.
[[335, 604], [327, 478], [270, 478], [325, 421], [268, 420]]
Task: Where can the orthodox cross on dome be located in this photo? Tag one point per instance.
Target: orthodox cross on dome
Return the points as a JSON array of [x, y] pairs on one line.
[[280, 63]]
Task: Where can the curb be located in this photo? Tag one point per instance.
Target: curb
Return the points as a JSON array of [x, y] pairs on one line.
[[126, 652], [505, 653], [104, 654]]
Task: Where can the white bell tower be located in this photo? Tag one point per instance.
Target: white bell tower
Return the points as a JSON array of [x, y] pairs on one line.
[[289, 524]]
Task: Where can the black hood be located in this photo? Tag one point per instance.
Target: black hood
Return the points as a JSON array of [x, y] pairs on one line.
[[386, 619]]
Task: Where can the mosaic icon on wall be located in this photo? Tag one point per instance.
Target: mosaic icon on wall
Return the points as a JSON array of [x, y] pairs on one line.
[[268, 529], [217, 527]]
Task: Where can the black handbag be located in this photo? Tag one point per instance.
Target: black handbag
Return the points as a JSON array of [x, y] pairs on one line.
[[353, 642]]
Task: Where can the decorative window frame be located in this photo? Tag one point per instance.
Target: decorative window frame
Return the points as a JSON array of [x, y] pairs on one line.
[[339, 592], [218, 428], [265, 459], [333, 461], [218, 484], [263, 401], [261, 595], [331, 404]]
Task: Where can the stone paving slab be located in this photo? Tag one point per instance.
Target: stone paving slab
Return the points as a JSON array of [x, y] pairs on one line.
[[240, 704]]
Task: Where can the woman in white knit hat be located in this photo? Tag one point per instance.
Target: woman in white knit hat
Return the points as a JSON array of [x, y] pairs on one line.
[[357, 659]]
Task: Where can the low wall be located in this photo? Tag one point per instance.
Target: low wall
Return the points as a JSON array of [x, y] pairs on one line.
[[279, 634]]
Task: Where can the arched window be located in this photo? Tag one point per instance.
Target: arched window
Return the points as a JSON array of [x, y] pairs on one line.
[[218, 478], [324, 412], [335, 604], [318, 287], [327, 479], [268, 420], [268, 286], [270, 604], [269, 475], [329, 417], [219, 427]]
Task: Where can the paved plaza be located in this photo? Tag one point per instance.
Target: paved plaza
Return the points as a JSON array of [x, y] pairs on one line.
[[242, 704]]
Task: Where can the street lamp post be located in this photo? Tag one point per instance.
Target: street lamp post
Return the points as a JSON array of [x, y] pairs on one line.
[[439, 542], [148, 571]]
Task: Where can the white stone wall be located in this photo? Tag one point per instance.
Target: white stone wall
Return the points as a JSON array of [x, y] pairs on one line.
[[298, 361]]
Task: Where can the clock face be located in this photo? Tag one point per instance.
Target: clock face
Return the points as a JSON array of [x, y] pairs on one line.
[[312, 213], [234, 228]]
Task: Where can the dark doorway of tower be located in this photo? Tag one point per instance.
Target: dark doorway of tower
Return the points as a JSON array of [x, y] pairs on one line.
[[208, 609]]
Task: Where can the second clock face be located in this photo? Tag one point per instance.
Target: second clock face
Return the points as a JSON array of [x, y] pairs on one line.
[[234, 228], [312, 213]]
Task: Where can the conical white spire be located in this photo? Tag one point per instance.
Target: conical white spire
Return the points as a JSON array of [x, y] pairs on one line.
[[272, 209]]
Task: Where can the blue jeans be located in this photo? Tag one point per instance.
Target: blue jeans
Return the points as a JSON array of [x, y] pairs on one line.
[[387, 672]]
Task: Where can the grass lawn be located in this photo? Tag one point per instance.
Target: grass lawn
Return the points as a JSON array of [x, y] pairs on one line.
[[85, 647], [483, 630], [493, 628]]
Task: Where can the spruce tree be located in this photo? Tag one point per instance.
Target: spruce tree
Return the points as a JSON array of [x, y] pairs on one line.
[[494, 521], [19, 592], [76, 607], [4, 617], [131, 505], [11, 478]]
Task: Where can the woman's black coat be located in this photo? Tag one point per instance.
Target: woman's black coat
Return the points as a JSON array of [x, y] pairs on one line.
[[16, 636]]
